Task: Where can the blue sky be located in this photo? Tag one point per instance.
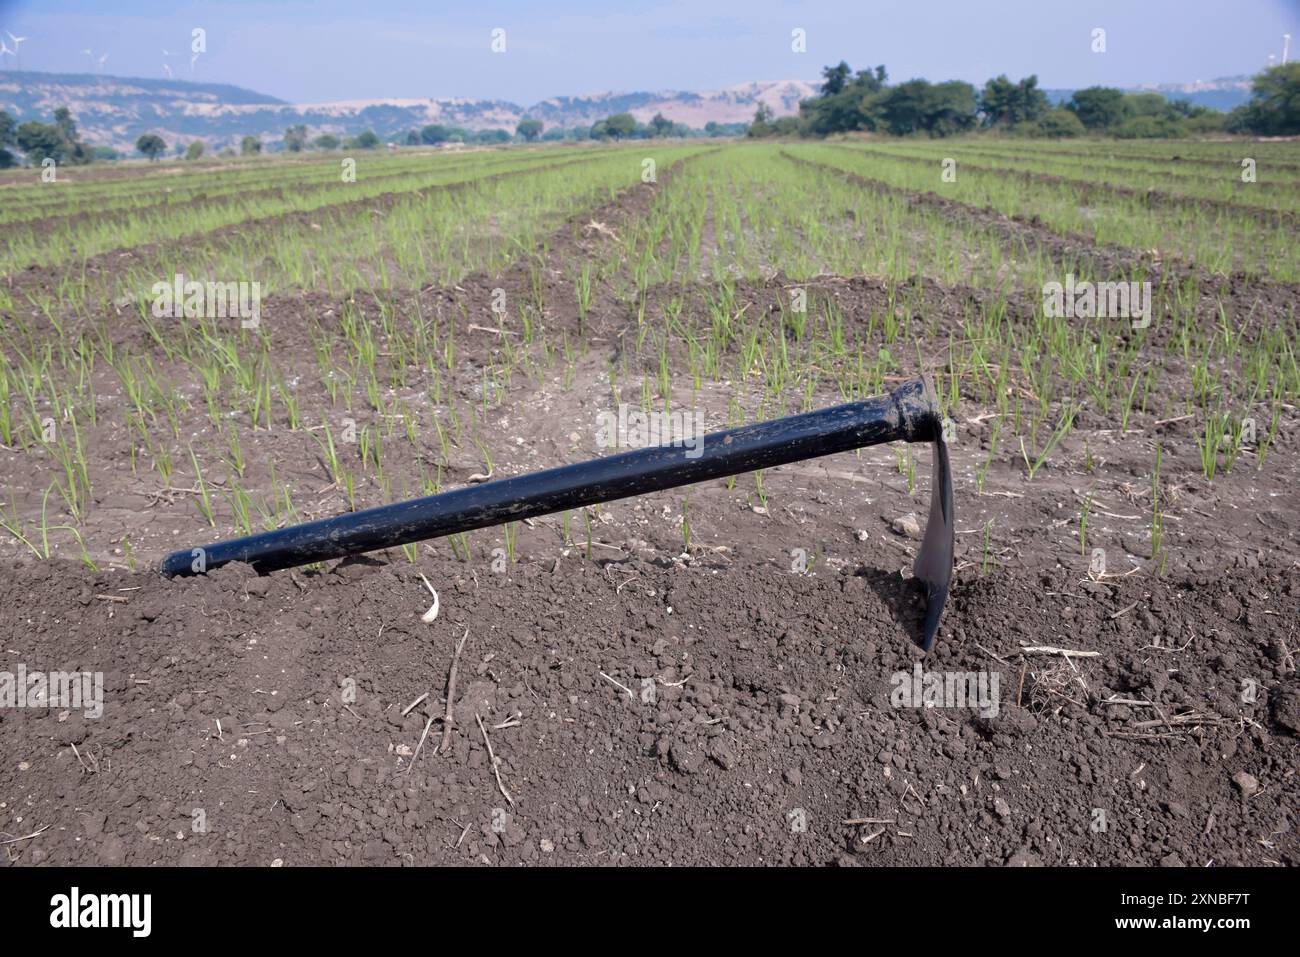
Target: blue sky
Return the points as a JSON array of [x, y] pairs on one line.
[[306, 51]]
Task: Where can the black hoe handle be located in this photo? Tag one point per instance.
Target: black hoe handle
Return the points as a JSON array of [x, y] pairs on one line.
[[910, 413]]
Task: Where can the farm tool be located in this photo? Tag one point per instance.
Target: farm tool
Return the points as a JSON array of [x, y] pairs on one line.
[[909, 414]]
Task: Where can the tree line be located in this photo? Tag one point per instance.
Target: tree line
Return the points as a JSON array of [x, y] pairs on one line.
[[847, 101], [58, 141], [618, 126], [850, 101]]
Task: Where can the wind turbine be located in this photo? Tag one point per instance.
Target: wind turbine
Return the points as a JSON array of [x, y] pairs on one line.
[[3, 50], [19, 60], [1286, 46], [102, 61], [90, 60], [166, 66]]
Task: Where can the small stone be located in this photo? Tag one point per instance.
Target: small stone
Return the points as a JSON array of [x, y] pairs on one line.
[[907, 525], [722, 755], [1247, 783], [1286, 709]]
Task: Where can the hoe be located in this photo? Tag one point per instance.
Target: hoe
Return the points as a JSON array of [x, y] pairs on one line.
[[909, 414]]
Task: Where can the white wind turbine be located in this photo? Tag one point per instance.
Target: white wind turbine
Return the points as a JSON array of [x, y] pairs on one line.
[[166, 66], [1286, 46], [90, 60], [102, 60], [3, 50], [18, 60]]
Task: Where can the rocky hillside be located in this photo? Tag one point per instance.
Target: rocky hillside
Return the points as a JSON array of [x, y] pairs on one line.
[[114, 111]]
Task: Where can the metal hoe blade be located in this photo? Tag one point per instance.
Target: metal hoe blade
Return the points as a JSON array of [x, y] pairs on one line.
[[910, 414], [933, 565]]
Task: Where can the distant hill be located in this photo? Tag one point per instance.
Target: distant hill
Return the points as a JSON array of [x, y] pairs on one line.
[[114, 111], [1224, 94]]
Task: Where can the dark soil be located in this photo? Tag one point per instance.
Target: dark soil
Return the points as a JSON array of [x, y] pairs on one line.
[[758, 721], [727, 699]]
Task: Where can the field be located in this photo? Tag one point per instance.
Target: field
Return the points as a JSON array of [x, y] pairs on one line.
[[702, 676]]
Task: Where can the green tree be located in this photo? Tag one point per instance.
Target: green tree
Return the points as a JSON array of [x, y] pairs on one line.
[[326, 141], [1148, 126], [1098, 107], [57, 141], [1059, 123], [7, 127], [951, 107], [1274, 107], [529, 129], [621, 125], [67, 126], [600, 130], [762, 123], [250, 146], [41, 141], [918, 106], [1147, 104], [854, 106], [295, 138], [1004, 103], [195, 150], [434, 134], [151, 145], [787, 126], [835, 78], [661, 125]]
